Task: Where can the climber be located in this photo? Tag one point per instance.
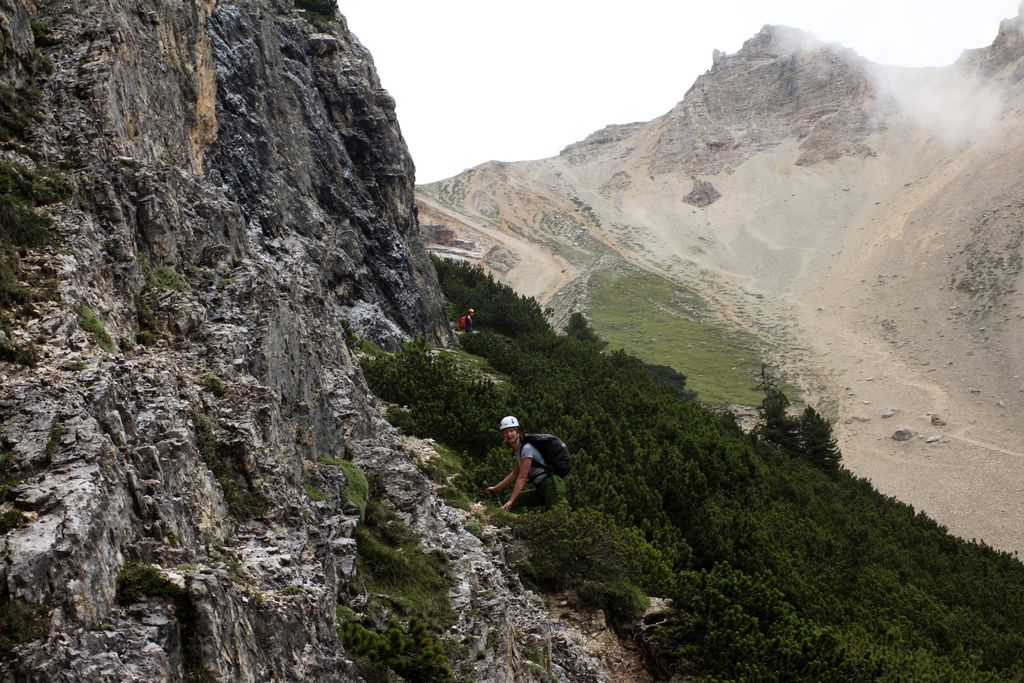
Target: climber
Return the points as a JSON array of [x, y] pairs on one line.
[[467, 321], [547, 488]]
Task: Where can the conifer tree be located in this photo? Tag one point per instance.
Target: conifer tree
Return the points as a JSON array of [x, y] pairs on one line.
[[778, 427], [577, 327], [816, 441]]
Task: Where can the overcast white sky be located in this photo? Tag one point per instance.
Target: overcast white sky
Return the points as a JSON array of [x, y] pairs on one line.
[[477, 80]]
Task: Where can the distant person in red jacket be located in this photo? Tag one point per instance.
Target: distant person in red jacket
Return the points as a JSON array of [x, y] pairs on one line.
[[466, 321]]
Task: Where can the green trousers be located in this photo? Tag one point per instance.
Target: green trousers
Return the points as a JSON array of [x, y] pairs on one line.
[[548, 493]]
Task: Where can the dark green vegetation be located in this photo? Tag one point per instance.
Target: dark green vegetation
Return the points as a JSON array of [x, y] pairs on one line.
[[357, 488], [90, 322], [157, 280], [137, 581], [781, 565], [318, 11], [20, 623], [19, 109], [230, 471], [497, 307], [409, 602], [10, 518], [213, 384]]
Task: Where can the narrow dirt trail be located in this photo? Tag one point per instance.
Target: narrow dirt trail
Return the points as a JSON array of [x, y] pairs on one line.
[[539, 273]]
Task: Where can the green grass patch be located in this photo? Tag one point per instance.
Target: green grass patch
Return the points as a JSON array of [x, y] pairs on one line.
[[357, 488], [410, 587], [663, 323], [22, 354], [213, 384], [474, 365], [20, 622], [137, 581], [90, 322], [157, 279], [446, 470], [315, 494], [18, 110], [163, 278], [414, 582], [242, 502], [370, 348]]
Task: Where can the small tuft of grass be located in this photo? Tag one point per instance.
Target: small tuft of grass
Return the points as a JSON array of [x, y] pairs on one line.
[[242, 502], [475, 526], [357, 488], [157, 279], [41, 34], [20, 622], [161, 278], [23, 354], [351, 338], [10, 519], [90, 322], [53, 442], [326, 459], [136, 581], [213, 384], [168, 279], [314, 493]]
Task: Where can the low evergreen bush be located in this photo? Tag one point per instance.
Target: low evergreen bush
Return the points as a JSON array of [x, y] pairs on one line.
[[781, 565]]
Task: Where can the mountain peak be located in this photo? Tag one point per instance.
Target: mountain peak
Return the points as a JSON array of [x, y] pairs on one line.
[[774, 40], [1004, 58]]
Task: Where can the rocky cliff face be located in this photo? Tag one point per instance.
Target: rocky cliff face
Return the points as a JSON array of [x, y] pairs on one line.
[[783, 83], [241, 191]]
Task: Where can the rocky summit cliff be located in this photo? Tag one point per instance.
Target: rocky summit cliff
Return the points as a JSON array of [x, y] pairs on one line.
[[204, 204], [862, 223]]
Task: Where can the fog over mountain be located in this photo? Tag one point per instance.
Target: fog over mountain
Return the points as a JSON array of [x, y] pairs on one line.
[[865, 222]]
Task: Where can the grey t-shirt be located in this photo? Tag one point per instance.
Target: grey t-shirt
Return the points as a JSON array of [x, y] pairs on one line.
[[537, 473]]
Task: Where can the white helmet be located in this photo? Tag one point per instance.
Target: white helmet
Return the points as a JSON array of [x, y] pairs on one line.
[[509, 421]]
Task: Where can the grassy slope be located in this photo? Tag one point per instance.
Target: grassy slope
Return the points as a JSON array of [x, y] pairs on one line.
[[661, 322]]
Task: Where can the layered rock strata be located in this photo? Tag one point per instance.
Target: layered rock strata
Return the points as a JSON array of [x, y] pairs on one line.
[[242, 194]]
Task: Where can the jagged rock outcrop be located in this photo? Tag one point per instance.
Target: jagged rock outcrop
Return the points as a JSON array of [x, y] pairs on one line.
[[1001, 59], [242, 192], [703, 194]]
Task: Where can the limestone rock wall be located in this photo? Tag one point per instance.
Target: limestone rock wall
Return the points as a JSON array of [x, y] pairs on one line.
[[241, 189]]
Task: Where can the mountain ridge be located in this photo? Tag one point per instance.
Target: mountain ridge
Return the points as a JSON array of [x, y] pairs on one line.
[[859, 219]]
